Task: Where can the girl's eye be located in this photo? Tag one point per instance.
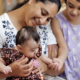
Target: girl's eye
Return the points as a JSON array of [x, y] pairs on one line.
[[71, 6], [78, 8]]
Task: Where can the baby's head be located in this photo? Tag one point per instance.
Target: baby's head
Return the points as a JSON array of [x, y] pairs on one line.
[[28, 41]]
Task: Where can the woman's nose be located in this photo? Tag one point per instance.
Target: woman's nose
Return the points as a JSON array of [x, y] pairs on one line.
[[43, 21]]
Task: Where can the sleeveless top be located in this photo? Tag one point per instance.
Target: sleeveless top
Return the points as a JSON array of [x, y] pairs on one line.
[[71, 35]]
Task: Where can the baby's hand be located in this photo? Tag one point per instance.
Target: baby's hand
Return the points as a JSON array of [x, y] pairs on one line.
[[7, 69], [56, 65]]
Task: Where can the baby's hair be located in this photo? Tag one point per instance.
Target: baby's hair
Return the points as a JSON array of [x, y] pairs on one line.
[[43, 1], [76, 0], [26, 33]]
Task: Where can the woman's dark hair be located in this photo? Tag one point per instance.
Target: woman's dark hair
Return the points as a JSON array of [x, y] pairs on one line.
[[76, 0], [26, 33], [65, 1], [43, 1]]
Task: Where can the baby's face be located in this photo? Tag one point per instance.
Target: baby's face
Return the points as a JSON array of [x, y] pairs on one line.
[[30, 48]]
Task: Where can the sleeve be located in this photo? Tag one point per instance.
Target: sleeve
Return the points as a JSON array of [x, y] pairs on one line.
[[1, 38], [5, 56], [51, 37]]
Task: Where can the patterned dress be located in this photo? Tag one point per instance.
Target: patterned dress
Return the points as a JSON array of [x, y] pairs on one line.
[[11, 55], [71, 35]]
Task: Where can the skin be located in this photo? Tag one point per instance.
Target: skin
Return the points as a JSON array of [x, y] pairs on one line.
[[72, 14], [30, 48], [26, 15]]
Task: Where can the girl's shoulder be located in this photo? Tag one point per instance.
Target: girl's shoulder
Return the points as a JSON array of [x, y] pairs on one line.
[[60, 16]]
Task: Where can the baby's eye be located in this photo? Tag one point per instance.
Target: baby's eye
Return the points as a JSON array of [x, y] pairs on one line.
[[33, 50]]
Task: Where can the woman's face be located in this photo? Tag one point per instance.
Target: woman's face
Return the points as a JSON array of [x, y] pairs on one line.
[[73, 9], [39, 13]]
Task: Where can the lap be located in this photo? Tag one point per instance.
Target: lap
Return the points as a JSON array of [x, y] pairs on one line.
[[53, 78]]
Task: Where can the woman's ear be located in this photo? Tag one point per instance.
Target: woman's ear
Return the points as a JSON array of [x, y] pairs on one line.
[[19, 48], [31, 1]]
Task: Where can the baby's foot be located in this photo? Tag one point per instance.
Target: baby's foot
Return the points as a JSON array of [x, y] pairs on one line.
[[7, 69]]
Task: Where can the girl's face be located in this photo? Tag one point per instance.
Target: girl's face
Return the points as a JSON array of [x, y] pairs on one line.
[[40, 13], [30, 48], [73, 9]]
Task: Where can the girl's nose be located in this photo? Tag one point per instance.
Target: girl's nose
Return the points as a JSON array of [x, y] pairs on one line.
[[75, 12]]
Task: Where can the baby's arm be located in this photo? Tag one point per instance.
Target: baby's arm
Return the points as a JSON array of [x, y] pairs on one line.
[[4, 69], [45, 59]]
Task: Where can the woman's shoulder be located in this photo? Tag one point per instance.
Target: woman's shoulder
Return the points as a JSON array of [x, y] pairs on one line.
[[3, 17]]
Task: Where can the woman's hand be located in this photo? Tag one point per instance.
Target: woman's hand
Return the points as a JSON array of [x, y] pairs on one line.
[[19, 68], [42, 67]]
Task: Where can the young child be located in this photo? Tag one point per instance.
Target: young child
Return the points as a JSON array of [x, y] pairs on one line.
[[66, 27], [27, 42]]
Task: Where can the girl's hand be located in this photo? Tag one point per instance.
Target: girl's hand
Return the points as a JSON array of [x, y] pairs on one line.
[[19, 68], [42, 67], [56, 65]]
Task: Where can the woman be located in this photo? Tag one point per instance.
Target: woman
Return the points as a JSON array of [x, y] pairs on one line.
[[30, 13]]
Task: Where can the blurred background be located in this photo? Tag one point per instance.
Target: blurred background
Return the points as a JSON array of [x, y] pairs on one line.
[[7, 5]]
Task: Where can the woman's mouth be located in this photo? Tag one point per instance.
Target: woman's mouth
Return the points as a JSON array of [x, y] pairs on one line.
[[34, 22]]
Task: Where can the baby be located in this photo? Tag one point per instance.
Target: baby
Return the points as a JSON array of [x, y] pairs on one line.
[[27, 44]]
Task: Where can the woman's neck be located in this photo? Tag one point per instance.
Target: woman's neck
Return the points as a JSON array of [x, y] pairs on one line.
[[17, 18]]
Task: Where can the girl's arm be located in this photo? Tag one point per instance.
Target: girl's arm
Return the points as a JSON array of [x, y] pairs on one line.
[[62, 47]]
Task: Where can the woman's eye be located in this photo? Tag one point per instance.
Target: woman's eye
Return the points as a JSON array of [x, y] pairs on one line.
[[48, 19], [43, 13]]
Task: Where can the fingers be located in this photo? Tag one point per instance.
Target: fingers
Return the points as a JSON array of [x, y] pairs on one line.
[[7, 69], [53, 66], [28, 66], [24, 61], [55, 60]]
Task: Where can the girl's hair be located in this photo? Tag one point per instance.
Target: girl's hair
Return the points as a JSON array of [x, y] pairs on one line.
[[43, 1], [26, 33], [76, 0]]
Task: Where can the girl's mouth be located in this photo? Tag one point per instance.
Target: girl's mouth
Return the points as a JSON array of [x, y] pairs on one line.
[[72, 15]]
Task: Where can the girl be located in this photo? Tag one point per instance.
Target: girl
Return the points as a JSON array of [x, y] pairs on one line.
[[66, 27]]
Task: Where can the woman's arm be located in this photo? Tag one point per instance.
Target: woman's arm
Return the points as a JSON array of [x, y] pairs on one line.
[[19, 69]]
